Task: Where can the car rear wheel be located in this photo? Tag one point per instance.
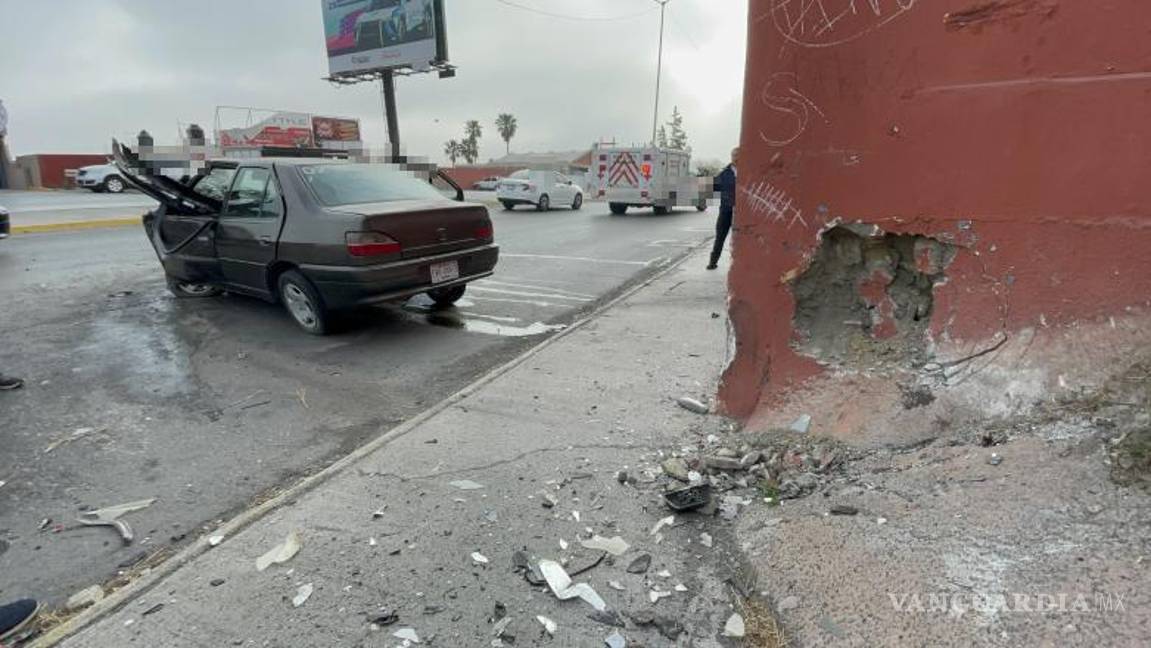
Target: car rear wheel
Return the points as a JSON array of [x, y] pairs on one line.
[[303, 302], [113, 184], [578, 202], [445, 297], [660, 211], [619, 209], [191, 289], [508, 205], [545, 203]]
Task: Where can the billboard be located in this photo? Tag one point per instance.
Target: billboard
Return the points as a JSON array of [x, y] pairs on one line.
[[336, 129], [283, 129], [366, 35]]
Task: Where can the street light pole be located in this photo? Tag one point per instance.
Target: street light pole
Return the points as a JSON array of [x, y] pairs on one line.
[[658, 69]]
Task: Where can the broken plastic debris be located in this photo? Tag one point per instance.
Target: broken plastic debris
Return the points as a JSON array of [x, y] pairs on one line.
[[688, 499], [615, 585], [705, 539], [479, 557], [500, 626], [680, 587], [669, 520], [281, 553], [615, 640], [694, 477], [563, 544], [664, 574], [215, 540], [561, 585], [734, 626], [575, 515], [801, 424], [372, 542], [692, 405], [109, 516], [466, 484], [548, 624], [656, 595], [407, 634], [302, 595], [615, 545]]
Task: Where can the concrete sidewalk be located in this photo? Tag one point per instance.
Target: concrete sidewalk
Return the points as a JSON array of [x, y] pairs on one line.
[[396, 529]]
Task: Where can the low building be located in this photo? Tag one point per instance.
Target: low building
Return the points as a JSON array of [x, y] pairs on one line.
[[570, 163], [50, 170]]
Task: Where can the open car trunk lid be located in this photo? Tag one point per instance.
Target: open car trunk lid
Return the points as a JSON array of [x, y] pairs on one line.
[[425, 228], [177, 197]]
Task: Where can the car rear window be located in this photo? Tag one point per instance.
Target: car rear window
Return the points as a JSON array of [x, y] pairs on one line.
[[354, 184]]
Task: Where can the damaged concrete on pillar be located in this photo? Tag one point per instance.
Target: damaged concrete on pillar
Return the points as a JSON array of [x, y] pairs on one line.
[[866, 297]]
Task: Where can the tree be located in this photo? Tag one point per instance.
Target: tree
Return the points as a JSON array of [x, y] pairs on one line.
[[470, 150], [661, 137], [471, 144], [453, 150], [506, 125], [708, 168], [677, 137]]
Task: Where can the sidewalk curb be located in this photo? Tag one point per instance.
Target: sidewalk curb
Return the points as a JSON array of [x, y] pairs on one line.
[[97, 223], [117, 600]]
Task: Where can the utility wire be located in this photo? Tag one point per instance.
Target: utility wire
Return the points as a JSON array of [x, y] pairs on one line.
[[542, 12]]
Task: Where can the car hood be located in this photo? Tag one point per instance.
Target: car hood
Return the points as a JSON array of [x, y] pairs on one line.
[[98, 167]]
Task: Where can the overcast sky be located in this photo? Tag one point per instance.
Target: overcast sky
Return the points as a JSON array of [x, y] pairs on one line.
[[75, 73]]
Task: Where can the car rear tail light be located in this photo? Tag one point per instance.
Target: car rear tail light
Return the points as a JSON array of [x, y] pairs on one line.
[[484, 232], [368, 244]]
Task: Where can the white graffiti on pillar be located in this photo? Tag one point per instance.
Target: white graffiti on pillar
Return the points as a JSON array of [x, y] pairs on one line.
[[790, 110], [824, 23], [774, 203]]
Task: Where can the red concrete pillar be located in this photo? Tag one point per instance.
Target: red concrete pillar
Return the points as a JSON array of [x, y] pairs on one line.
[[994, 155]]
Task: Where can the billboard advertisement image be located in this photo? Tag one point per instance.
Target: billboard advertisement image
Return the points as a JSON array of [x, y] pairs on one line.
[[364, 35], [282, 129]]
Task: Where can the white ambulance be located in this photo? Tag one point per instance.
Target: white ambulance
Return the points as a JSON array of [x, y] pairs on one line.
[[654, 177]]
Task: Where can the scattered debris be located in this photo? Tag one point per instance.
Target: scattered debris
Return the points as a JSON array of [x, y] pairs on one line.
[[788, 603], [44, 524], [372, 542], [281, 553], [680, 587], [547, 500], [575, 515], [692, 405], [378, 513], [561, 585], [669, 520], [501, 627], [734, 626], [640, 565], [109, 516], [689, 498], [801, 425], [881, 520], [152, 610], [694, 477], [215, 540], [549, 625], [302, 595], [656, 595], [499, 612], [676, 468], [668, 627], [607, 617], [466, 484], [729, 507], [620, 477], [750, 459], [85, 597], [995, 459], [722, 463], [705, 539], [616, 585], [77, 434], [385, 619], [615, 546], [844, 509], [479, 558], [615, 640], [563, 544], [664, 574], [407, 634], [216, 582]]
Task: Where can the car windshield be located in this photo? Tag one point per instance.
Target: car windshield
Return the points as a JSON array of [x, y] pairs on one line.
[[522, 174], [353, 184]]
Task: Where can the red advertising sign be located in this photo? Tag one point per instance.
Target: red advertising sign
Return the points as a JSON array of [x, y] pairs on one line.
[[335, 129], [289, 130]]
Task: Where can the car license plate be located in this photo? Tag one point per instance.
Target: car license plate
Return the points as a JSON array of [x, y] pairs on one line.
[[446, 271]]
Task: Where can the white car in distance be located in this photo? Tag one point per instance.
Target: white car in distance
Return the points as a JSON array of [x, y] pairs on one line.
[[542, 189]]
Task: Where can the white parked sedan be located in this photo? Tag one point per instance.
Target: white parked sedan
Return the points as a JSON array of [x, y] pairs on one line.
[[543, 189]]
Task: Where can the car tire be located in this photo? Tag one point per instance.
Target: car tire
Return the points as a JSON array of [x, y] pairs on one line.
[[508, 205], [448, 296], [114, 184], [544, 204], [578, 202], [619, 209], [303, 302], [191, 289], [660, 211]]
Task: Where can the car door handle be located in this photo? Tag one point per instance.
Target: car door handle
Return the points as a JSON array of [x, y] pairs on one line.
[[265, 240]]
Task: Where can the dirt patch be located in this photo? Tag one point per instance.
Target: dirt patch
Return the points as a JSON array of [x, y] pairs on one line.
[[763, 629], [867, 297]]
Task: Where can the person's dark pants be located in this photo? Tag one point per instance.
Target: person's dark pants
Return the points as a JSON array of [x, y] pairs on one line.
[[722, 227]]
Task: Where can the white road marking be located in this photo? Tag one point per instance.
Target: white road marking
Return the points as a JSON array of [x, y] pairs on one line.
[[572, 258], [530, 302], [518, 293], [534, 287]]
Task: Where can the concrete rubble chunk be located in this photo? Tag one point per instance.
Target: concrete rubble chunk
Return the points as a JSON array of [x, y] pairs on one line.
[[615, 640], [667, 521], [692, 405], [85, 597], [722, 463], [302, 594], [407, 634], [844, 509], [801, 425], [615, 545], [640, 565], [751, 458], [676, 468], [727, 453], [734, 626], [549, 625]]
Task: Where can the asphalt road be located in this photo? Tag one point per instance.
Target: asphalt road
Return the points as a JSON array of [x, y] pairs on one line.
[[210, 405]]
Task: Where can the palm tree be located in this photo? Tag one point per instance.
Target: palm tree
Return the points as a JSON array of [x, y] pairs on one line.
[[453, 150], [506, 124], [473, 131]]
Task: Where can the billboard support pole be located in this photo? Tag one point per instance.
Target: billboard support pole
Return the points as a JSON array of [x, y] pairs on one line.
[[388, 83]]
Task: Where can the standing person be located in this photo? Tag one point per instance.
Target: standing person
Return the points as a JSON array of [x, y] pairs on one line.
[[724, 184], [7, 383]]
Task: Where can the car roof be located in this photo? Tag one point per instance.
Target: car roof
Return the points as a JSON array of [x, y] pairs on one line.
[[282, 161]]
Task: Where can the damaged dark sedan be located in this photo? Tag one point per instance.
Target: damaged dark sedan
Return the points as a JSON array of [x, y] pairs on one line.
[[316, 235]]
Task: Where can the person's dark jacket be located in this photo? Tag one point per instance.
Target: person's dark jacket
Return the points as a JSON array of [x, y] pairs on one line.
[[724, 185]]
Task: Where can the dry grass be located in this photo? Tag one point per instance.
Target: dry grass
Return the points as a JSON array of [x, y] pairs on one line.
[[762, 628]]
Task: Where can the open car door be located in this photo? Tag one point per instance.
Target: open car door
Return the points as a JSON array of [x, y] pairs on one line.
[[182, 228]]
